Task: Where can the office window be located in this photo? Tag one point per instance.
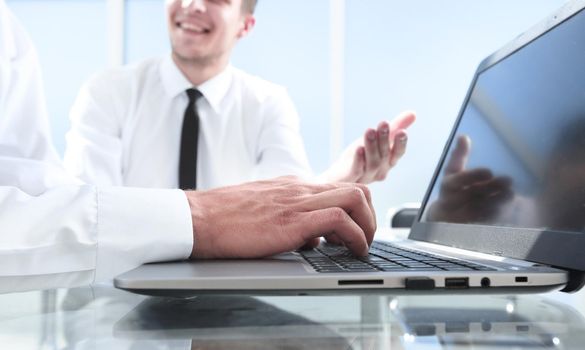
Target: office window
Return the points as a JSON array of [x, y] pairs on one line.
[[145, 30]]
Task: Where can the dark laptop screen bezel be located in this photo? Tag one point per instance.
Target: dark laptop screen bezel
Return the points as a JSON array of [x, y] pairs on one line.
[[554, 248]]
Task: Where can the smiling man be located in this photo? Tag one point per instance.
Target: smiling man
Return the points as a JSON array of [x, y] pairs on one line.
[[57, 232], [191, 120]]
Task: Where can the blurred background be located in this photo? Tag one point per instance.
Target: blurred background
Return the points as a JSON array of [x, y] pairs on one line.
[[347, 63]]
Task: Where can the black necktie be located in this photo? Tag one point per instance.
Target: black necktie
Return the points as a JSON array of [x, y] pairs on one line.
[[189, 137]]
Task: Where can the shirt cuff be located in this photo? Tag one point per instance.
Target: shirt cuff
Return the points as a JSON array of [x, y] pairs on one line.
[[138, 226]]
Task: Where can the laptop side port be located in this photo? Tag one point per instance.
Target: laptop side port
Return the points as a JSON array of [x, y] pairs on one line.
[[457, 282], [521, 279], [359, 282]]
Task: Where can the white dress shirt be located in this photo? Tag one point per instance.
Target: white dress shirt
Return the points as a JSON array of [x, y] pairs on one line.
[[126, 128], [55, 231]]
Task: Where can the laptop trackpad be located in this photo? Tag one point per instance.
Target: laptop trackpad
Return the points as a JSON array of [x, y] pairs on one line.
[[283, 264]]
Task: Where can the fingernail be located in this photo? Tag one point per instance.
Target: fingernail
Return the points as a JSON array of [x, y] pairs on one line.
[[402, 139], [371, 135]]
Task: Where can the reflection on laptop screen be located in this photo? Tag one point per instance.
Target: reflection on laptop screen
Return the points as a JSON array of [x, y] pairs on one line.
[[518, 156]]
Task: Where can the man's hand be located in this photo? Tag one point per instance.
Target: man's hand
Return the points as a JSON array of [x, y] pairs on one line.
[[473, 195], [369, 159], [264, 218]]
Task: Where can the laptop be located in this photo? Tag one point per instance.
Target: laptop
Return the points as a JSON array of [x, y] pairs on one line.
[[504, 211]]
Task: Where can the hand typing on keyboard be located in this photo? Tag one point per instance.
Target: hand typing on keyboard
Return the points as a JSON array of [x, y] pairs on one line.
[[264, 218]]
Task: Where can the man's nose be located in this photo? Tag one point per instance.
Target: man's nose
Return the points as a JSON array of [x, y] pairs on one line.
[[194, 5]]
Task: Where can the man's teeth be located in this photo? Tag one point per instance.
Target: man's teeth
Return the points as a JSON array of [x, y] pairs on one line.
[[192, 28]]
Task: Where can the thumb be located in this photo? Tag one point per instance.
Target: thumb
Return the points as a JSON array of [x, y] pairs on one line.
[[358, 164], [459, 155]]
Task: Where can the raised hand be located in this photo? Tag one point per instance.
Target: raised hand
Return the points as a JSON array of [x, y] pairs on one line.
[[370, 158], [468, 196]]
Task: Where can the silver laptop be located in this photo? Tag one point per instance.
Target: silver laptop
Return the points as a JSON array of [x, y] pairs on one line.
[[505, 210]]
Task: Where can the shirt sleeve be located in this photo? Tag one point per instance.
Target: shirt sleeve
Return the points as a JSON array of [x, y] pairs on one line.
[[85, 235], [280, 146], [55, 231]]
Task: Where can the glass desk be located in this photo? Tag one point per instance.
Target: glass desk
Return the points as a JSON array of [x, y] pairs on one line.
[[101, 317]]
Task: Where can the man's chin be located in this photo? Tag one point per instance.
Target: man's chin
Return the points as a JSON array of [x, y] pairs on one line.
[[189, 56]]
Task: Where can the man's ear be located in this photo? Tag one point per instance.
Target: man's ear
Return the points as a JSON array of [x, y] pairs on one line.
[[247, 25]]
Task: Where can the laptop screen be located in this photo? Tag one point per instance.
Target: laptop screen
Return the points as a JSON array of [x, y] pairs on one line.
[[517, 157]]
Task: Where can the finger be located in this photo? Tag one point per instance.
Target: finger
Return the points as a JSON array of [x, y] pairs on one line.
[[385, 151], [491, 187], [333, 239], [384, 141], [399, 148], [372, 153], [336, 220], [297, 188], [312, 243], [365, 190], [401, 121], [353, 200], [479, 194], [301, 189], [458, 159], [368, 195], [358, 166], [298, 193], [459, 181]]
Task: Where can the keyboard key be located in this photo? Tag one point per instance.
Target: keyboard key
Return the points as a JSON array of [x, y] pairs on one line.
[[384, 257]]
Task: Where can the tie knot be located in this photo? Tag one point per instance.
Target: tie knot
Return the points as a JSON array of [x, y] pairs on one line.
[[193, 94]]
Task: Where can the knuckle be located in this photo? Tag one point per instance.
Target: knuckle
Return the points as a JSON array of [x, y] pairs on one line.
[[381, 176], [365, 190], [357, 194], [338, 215]]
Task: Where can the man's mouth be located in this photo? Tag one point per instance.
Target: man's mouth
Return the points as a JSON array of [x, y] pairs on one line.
[[192, 27]]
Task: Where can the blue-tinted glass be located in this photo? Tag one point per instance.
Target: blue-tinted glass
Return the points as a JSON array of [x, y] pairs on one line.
[[70, 37], [526, 123]]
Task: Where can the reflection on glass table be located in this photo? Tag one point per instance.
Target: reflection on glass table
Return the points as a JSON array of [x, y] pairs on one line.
[[106, 318]]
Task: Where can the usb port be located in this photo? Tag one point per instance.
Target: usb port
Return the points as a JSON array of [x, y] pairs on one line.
[[457, 282], [522, 279]]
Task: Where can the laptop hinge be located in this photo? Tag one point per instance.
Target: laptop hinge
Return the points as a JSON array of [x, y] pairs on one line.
[[576, 281]]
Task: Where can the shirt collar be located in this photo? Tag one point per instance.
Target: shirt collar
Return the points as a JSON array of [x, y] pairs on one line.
[[214, 89]]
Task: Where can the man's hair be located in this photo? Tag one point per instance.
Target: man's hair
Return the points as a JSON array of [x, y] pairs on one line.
[[249, 6]]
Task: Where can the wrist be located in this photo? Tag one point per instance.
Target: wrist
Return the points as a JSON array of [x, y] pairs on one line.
[[196, 219]]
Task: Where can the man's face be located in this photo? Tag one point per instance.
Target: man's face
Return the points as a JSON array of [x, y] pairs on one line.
[[205, 30]]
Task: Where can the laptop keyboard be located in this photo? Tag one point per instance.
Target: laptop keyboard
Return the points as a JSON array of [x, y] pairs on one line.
[[383, 257]]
